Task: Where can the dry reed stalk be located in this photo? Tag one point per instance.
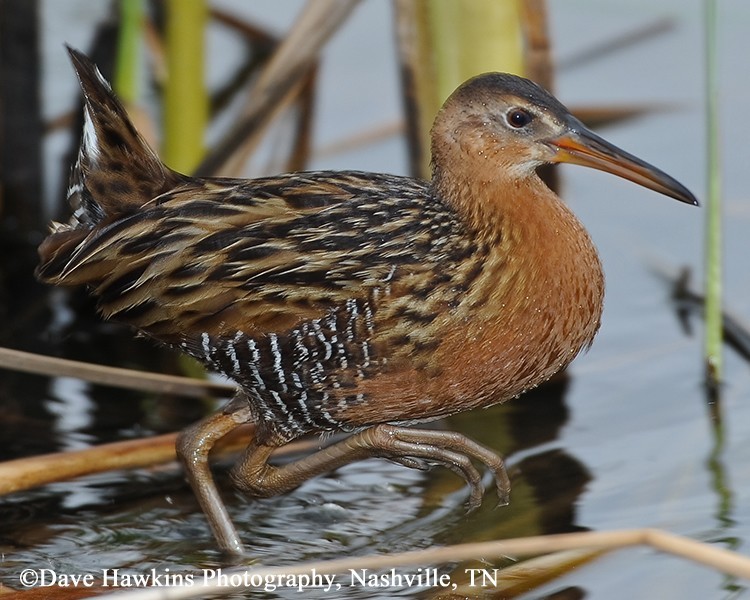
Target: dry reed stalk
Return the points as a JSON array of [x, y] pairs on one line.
[[50, 366], [34, 471], [722, 560], [281, 79]]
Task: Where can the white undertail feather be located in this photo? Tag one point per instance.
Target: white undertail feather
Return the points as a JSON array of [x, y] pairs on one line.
[[90, 146]]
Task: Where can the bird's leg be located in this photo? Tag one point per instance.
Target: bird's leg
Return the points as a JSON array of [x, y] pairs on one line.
[[257, 478], [193, 446]]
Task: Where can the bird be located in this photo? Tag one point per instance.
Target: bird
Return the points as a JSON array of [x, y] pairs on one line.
[[348, 301]]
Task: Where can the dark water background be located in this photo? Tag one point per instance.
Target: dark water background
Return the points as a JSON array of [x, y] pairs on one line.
[[623, 441]]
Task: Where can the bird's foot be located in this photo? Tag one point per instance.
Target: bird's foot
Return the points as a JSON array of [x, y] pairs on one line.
[[452, 450], [407, 446], [415, 448]]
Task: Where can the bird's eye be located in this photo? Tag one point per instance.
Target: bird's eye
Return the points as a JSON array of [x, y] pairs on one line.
[[518, 118]]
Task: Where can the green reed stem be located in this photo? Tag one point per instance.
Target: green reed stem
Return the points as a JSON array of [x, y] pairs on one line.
[[713, 340], [126, 68], [448, 42], [185, 99]]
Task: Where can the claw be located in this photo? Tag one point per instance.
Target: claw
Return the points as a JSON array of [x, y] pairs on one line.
[[411, 462], [454, 451]]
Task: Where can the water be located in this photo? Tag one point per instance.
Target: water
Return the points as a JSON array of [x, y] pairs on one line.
[[623, 442]]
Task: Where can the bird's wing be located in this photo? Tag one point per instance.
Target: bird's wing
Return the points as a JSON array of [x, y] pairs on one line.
[[219, 256]]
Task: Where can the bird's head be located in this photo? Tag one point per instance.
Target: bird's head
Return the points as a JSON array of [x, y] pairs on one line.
[[506, 126]]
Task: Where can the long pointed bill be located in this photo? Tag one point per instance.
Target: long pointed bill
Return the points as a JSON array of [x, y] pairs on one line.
[[582, 147]]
